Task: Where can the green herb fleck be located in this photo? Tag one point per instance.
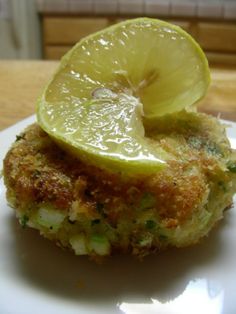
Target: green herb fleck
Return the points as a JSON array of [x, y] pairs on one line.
[[150, 224], [147, 201], [213, 149], [195, 142], [87, 193], [36, 174], [95, 222], [20, 137], [232, 166], [99, 238], [222, 186], [146, 240], [100, 209], [163, 237], [23, 221]]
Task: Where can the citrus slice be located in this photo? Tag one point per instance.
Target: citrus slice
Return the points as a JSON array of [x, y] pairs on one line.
[[94, 104]]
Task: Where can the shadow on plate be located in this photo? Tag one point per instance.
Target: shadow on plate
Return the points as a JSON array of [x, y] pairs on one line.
[[118, 279]]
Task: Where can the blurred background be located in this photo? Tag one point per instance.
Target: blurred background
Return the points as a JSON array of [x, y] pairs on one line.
[[46, 29]]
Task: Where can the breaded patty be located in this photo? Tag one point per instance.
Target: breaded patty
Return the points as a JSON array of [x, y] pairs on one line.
[[97, 213]]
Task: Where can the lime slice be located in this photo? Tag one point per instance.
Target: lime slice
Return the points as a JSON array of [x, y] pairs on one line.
[[109, 132], [94, 104]]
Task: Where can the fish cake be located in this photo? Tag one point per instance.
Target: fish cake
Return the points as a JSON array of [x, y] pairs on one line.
[[97, 213]]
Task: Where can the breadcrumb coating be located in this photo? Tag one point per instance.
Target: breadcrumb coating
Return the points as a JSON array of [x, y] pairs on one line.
[[97, 213]]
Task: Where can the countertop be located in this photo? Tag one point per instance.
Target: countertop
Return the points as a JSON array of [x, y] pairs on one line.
[[21, 82]]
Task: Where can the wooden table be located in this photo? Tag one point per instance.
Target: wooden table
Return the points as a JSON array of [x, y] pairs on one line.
[[21, 82]]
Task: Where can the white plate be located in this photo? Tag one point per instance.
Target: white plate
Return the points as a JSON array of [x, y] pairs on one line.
[[37, 277]]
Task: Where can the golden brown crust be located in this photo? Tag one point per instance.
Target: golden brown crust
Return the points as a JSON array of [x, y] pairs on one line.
[[37, 171]]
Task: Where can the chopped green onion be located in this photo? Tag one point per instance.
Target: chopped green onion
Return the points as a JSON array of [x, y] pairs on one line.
[[78, 243], [50, 218], [99, 244]]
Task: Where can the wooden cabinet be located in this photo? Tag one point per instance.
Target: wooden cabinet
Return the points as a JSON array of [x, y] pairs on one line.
[[217, 36], [55, 52], [69, 30], [60, 33]]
